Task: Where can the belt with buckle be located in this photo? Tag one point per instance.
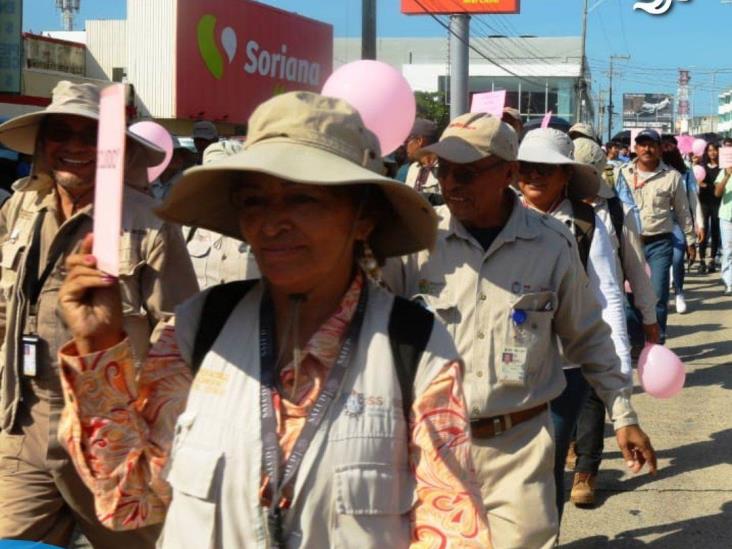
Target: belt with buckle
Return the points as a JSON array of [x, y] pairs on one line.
[[489, 427], [655, 238]]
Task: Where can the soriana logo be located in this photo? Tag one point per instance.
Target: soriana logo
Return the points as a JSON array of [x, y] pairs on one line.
[[243, 53], [418, 7]]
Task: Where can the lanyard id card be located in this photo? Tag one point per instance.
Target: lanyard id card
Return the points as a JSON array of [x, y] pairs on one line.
[[30, 355], [513, 361]]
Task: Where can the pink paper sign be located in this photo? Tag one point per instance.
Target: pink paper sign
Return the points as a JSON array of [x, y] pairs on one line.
[[546, 120], [489, 102], [109, 178], [725, 157]]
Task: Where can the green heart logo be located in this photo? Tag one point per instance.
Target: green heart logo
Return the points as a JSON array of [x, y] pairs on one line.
[[207, 47]]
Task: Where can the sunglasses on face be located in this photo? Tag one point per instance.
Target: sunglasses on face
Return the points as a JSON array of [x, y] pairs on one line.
[[461, 174], [61, 133], [544, 170]]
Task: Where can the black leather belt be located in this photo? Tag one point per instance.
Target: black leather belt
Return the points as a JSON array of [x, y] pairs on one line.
[[489, 427]]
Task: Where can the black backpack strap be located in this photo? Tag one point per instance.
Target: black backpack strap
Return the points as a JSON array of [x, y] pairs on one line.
[[410, 327], [218, 306], [617, 216], [584, 228]]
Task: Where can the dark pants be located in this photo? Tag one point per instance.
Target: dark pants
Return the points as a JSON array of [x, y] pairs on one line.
[[659, 256], [710, 212], [590, 434], [679, 268], [565, 410]]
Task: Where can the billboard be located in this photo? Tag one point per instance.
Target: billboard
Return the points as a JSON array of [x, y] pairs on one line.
[[11, 52], [50, 54], [232, 56], [648, 110], [420, 7]]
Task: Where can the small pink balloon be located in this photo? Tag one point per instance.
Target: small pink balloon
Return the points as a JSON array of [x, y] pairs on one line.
[[157, 135], [699, 173], [661, 372], [685, 143], [698, 147], [381, 95]]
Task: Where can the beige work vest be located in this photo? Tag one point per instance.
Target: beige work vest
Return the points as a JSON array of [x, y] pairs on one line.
[[354, 488]]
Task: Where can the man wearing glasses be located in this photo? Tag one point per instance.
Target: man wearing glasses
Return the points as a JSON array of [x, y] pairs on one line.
[[41, 495], [508, 283]]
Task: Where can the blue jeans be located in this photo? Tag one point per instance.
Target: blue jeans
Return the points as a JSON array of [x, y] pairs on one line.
[[679, 244], [565, 411], [659, 256]]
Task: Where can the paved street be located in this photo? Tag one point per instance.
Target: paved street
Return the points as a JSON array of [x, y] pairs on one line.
[[689, 503]]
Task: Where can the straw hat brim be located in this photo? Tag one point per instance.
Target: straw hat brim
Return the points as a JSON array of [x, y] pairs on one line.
[[584, 183], [201, 198], [20, 133]]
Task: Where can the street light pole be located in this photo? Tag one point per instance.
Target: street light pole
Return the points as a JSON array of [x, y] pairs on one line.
[[368, 29], [459, 40], [610, 103], [581, 83]]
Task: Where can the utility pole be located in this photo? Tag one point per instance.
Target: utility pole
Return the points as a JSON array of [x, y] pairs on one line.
[[610, 102], [368, 29], [601, 113], [581, 83], [459, 40]]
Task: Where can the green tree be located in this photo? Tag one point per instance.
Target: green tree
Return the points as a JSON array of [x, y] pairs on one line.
[[432, 106]]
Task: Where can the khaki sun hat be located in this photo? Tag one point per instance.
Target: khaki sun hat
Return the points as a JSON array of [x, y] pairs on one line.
[[472, 137], [305, 138], [589, 152], [582, 129], [550, 146], [20, 133]]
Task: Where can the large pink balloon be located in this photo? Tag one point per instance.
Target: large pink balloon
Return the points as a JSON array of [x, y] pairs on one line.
[[157, 135], [698, 147], [699, 173], [685, 143], [381, 95], [661, 372]]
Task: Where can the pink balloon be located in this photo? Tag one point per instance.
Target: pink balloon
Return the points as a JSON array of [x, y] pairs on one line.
[[157, 135], [381, 95], [699, 173], [661, 372], [698, 147], [685, 143]]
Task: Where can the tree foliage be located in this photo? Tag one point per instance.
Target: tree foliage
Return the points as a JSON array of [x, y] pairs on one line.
[[432, 106]]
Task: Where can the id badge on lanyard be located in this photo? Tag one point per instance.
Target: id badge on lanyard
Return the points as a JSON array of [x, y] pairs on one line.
[[513, 362]]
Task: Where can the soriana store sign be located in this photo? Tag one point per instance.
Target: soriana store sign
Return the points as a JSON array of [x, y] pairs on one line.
[[420, 7], [234, 54]]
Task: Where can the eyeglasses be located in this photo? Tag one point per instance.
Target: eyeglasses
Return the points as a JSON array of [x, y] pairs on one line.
[[461, 174], [59, 133], [544, 170]]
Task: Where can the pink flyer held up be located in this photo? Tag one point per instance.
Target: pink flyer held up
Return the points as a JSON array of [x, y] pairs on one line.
[[109, 179]]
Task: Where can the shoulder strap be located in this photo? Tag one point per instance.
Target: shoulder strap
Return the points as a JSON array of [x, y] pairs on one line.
[[410, 327], [218, 306], [584, 224]]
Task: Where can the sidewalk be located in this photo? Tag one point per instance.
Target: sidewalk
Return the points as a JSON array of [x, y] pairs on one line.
[[688, 504]]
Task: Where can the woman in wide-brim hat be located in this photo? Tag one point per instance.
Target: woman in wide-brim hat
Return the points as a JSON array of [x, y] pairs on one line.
[[293, 431]]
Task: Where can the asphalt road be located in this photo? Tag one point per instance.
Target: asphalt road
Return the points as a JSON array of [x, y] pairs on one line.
[[688, 504]]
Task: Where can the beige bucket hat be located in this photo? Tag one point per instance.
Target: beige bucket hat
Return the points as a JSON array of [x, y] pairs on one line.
[[20, 133], [550, 146], [582, 129], [305, 138], [473, 136], [589, 152]]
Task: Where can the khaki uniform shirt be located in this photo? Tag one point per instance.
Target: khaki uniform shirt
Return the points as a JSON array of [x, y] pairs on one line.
[[430, 185], [658, 198], [155, 276], [218, 259], [533, 265]]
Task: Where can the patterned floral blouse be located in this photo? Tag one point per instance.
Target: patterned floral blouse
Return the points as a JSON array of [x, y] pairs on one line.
[[118, 431]]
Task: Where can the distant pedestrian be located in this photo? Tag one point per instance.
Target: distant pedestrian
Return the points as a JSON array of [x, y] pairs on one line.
[[204, 134], [723, 191], [710, 209]]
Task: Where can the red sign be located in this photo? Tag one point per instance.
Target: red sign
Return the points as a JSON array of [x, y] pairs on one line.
[[234, 54], [420, 7]]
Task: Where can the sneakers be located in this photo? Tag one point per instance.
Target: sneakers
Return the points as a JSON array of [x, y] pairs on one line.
[[680, 304], [571, 461], [583, 489], [728, 290]]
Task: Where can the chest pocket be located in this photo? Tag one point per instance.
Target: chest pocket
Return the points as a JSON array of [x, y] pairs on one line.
[[199, 246], [436, 298], [536, 331], [193, 477], [661, 199]]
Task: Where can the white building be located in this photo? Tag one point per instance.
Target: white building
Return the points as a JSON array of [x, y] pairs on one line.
[[724, 126]]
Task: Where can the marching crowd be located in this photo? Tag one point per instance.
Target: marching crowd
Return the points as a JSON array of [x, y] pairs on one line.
[[302, 351]]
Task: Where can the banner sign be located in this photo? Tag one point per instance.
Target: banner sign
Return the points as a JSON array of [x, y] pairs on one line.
[[232, 56], [420, 7]]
